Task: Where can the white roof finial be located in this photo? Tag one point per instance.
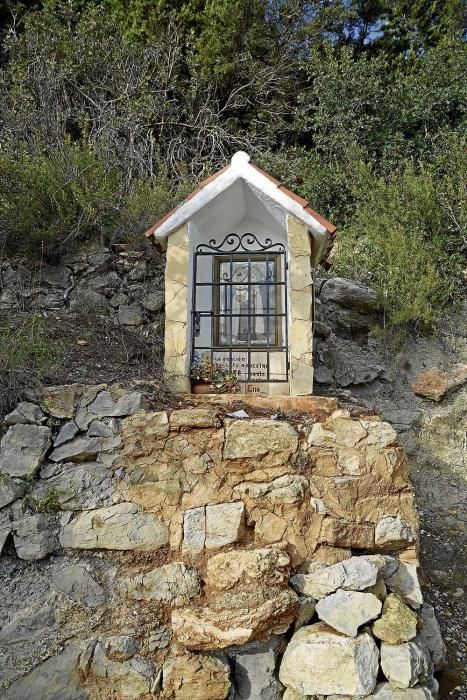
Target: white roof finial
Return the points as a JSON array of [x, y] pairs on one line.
[[239, 159]]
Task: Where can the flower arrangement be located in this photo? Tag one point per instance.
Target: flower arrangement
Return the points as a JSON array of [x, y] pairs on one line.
[[216, 374]]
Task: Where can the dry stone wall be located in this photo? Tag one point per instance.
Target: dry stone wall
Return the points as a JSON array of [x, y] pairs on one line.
[[188, 553]]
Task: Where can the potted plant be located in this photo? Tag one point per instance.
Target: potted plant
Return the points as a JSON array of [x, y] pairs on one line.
[[211, 377]]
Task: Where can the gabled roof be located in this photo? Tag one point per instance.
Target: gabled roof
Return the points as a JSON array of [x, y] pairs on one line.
[[241, 168]]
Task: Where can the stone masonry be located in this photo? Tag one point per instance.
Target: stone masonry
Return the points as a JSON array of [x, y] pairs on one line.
[[188, 553]]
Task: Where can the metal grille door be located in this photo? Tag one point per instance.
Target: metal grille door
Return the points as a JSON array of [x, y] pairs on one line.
[[239, 310]]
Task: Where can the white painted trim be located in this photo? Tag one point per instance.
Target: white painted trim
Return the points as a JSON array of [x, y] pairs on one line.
[[240, 168]]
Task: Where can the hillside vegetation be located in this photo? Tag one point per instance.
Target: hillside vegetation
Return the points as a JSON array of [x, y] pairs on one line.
[[111, 110]]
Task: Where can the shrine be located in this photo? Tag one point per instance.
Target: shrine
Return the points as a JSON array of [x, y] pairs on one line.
[[240, 256]]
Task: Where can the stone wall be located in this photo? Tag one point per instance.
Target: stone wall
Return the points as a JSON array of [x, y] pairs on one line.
[[194, 553]]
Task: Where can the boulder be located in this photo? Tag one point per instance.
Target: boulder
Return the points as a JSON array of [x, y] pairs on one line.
[[405, 665], [76, 486], [25, 413], [77, 583], [10, 490], [59, 401], [346, 611], [397, 624], [34, 536], [196, 677], [430, 636], [82, 449], [234, 619], [319, 660], [338, 532], [55, 679], [173, 583], [22, 449], [404, 582], [267, 566], [273, 441], [393, 533], [194, 418], [434, 384], [130, 315], [350, 294], [121, 526]]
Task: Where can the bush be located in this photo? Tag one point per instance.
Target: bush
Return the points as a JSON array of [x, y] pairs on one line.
[[49, 203], [26, 355], [407, 239]]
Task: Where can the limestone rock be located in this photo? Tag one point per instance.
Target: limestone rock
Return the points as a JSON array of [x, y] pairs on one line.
[[287, 489], [320, 581], [77, 583], [338, 532], [172, 583], [67, 432], [194, 529], [77, 486], [122, 526], [5, 527], [204, 629], [120, 648], [404, 582], [430, 636], [34, 537], [225, 524], [405, 665], [434, 384], [195, 418], [25, 413], [306, 610], [393, 533], [10, 490], [130, 315], [127, 404], [82, 449], [153, 301], [397, 624], [384, 691], [331, 555], [356, 574], [350, 294], [55, 679], [22, 449], [196, 677], [129, 679], [267, 566], [274, 441], [346, 611], [319, 660], [29, 625], [59, 401], [254, 666]]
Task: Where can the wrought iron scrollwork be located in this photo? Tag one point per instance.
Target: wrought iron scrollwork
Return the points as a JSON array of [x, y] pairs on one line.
[[246, 243]]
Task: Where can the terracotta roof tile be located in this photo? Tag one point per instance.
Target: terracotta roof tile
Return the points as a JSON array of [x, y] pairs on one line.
[[296, 197], [327, 224], [213, 176], [153, 228]]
